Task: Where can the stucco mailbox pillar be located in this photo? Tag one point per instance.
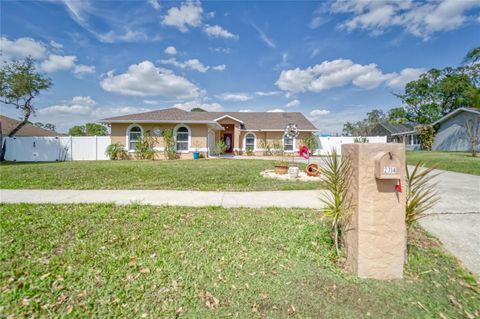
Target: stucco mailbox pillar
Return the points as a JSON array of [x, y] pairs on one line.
[[375, 234]]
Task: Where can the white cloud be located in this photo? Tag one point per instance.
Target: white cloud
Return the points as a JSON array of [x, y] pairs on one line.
[[421, 19], [192, 64], [80, 110], [171, 50], [58, 63], [189, 14], [155, 4], [66, 110], [21, 48], [263, 36], [405, 76], [56, 45], [127, 35], [269, 93], [151, 102], [220, 67], [81, 69], [83, 100], [144, 79], [317, 21], [276, 111], [120, 29], [337, 73], [24, 47], [319, 112], [236, 97], [209, 107], [217, 31], [245, 110], [293, 103], [79, 105]]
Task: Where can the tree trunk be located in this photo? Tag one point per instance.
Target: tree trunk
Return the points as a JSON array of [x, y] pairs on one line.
[[28, 112]]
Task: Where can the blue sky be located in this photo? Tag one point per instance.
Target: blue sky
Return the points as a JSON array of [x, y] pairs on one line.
[[332, 60]]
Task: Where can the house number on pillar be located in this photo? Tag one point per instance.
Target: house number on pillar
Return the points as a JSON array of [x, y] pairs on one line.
[[389, 170]]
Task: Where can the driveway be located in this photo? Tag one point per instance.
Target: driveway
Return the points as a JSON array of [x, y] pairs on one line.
[[455, 219]]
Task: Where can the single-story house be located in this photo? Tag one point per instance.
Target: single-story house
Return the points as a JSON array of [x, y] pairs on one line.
[[199, 131], [397, 133], [8, 124], [451, 132]]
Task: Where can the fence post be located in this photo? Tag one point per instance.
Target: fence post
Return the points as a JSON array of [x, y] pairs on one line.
[[71, 147], [96, 148]]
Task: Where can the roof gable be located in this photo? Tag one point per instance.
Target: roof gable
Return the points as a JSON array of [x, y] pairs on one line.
[[395, 128], [457, 111], [8, 124]]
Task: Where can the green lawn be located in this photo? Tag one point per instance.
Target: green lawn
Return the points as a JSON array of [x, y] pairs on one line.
[[165, 262], [461, 162], [203, 175]]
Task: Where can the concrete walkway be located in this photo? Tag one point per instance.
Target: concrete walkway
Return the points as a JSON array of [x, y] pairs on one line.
[[301, 199]]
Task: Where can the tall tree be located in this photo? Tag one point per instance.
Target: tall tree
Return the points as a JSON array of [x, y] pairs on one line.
[[363, 127], [20, 83], [397, 115], [77, 130], [47, 126], [197, 109], [440, 91], [472, 129], [92, 129], [472, 56], [89, 129]]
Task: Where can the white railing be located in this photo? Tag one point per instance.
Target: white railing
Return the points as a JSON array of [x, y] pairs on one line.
[[327, 143], [60, 148]]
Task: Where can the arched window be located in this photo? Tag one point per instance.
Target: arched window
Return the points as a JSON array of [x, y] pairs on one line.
[[134, 134], [182, 139], [288, 143], [250, 142]]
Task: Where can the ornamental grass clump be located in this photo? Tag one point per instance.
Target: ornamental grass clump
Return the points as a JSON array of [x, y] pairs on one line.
[[338, 202], [421, 193]]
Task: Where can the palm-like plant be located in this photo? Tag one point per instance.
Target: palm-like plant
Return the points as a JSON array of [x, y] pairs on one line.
[[421, 193], [116, 151], [338, 202]]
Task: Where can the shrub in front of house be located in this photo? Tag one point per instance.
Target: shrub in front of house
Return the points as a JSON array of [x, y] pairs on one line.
[[116, 151]]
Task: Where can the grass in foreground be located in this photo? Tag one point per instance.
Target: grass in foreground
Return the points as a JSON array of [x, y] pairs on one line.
[[461, 162], [151, 262], [203, 175]]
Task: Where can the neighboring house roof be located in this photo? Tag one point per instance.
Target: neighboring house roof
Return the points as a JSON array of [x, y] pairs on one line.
[[251, 121], [8, 124], [395, 128], [455, 112]]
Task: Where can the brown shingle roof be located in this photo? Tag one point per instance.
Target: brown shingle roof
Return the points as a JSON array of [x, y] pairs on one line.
[[8, 124], [251, 120]]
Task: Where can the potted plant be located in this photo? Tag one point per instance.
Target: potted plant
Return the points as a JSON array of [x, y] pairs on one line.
[[281, 167]]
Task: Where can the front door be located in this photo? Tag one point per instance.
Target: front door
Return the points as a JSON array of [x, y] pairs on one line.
[[228, 139]]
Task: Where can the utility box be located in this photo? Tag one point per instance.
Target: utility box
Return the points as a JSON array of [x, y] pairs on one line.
[[375, 235]]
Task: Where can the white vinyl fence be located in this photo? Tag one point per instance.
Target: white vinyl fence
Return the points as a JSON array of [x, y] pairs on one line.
[[60, 148], [327, 143]]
